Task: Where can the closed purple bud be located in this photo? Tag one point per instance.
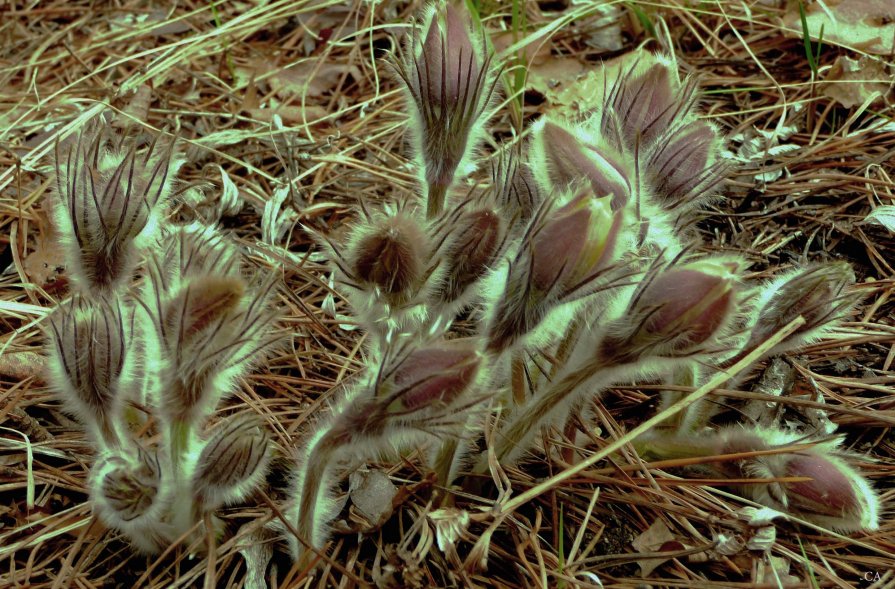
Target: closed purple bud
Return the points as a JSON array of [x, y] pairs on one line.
[[392, 256], [472, 252], [681, 169], [232, 462], [685, 307], [570, 161], [448, 54], [574, 242], [817, 293], [109, 194], [436, 375]]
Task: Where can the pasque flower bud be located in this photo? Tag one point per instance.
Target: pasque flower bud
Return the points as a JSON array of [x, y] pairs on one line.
[[682, 169], [232, 462], [575, 241], [645, 100], [210, 318], [817, 293], [678, 311], [448, 79], [570, 160], [391, 256], [434, 375], [562, 252], [834, 495], [471, 252], [109, 198], [88, 360]]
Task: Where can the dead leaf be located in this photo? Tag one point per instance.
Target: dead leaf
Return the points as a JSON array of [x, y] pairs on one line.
[[46, 262], [866, 25], [372, 494], [852, 82], [774, 571], [294, 115], [653, 540], [310, 78], [884, 215], [22, 365]]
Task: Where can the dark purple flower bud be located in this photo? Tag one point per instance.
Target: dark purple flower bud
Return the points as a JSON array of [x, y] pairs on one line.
[[574, 243], [449, 80], [571, 161], [232, 462], [646, 99], [448, 54], [435, 375], [109, 197], [472, 251], [681, 169], [817, 293], [391, 256], [684, 307]]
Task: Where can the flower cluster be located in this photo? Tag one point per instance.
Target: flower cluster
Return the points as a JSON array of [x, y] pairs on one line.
[[573, 270], [513, 303], [143, 364]]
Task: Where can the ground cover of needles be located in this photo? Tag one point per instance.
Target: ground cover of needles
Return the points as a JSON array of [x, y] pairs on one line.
[[288, 119]]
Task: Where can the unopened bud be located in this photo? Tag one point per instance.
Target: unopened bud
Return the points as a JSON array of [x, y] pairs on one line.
[[472, 252], [129, 488], [108, 201], [449, 81], [569, 161], [684, 307], [448, 54], [203, 304], [435, 375], [682, 170], [574, 243], [817, 293], [232, 462], [392, 256], [88, 355]]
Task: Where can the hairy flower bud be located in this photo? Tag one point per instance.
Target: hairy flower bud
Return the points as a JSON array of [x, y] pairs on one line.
[[88, 355], [573, 244], [682, 169], [679, 310], [109, 197], [232, 462], [391, 256], [563, 256], [211, 320], [817, 293], [834, 495], [435, 375], [449, 82], [448, 54], [570, 161], [645, 99], [473, 250]]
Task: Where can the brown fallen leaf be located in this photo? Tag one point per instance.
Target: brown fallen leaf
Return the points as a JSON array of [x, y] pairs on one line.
[[866, 25], [22, 365], [46, 262], [310, 78], [653, 540], [852, 82]]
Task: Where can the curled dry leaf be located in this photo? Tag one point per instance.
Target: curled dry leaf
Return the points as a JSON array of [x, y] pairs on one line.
[[852, 82], [866, 25]]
